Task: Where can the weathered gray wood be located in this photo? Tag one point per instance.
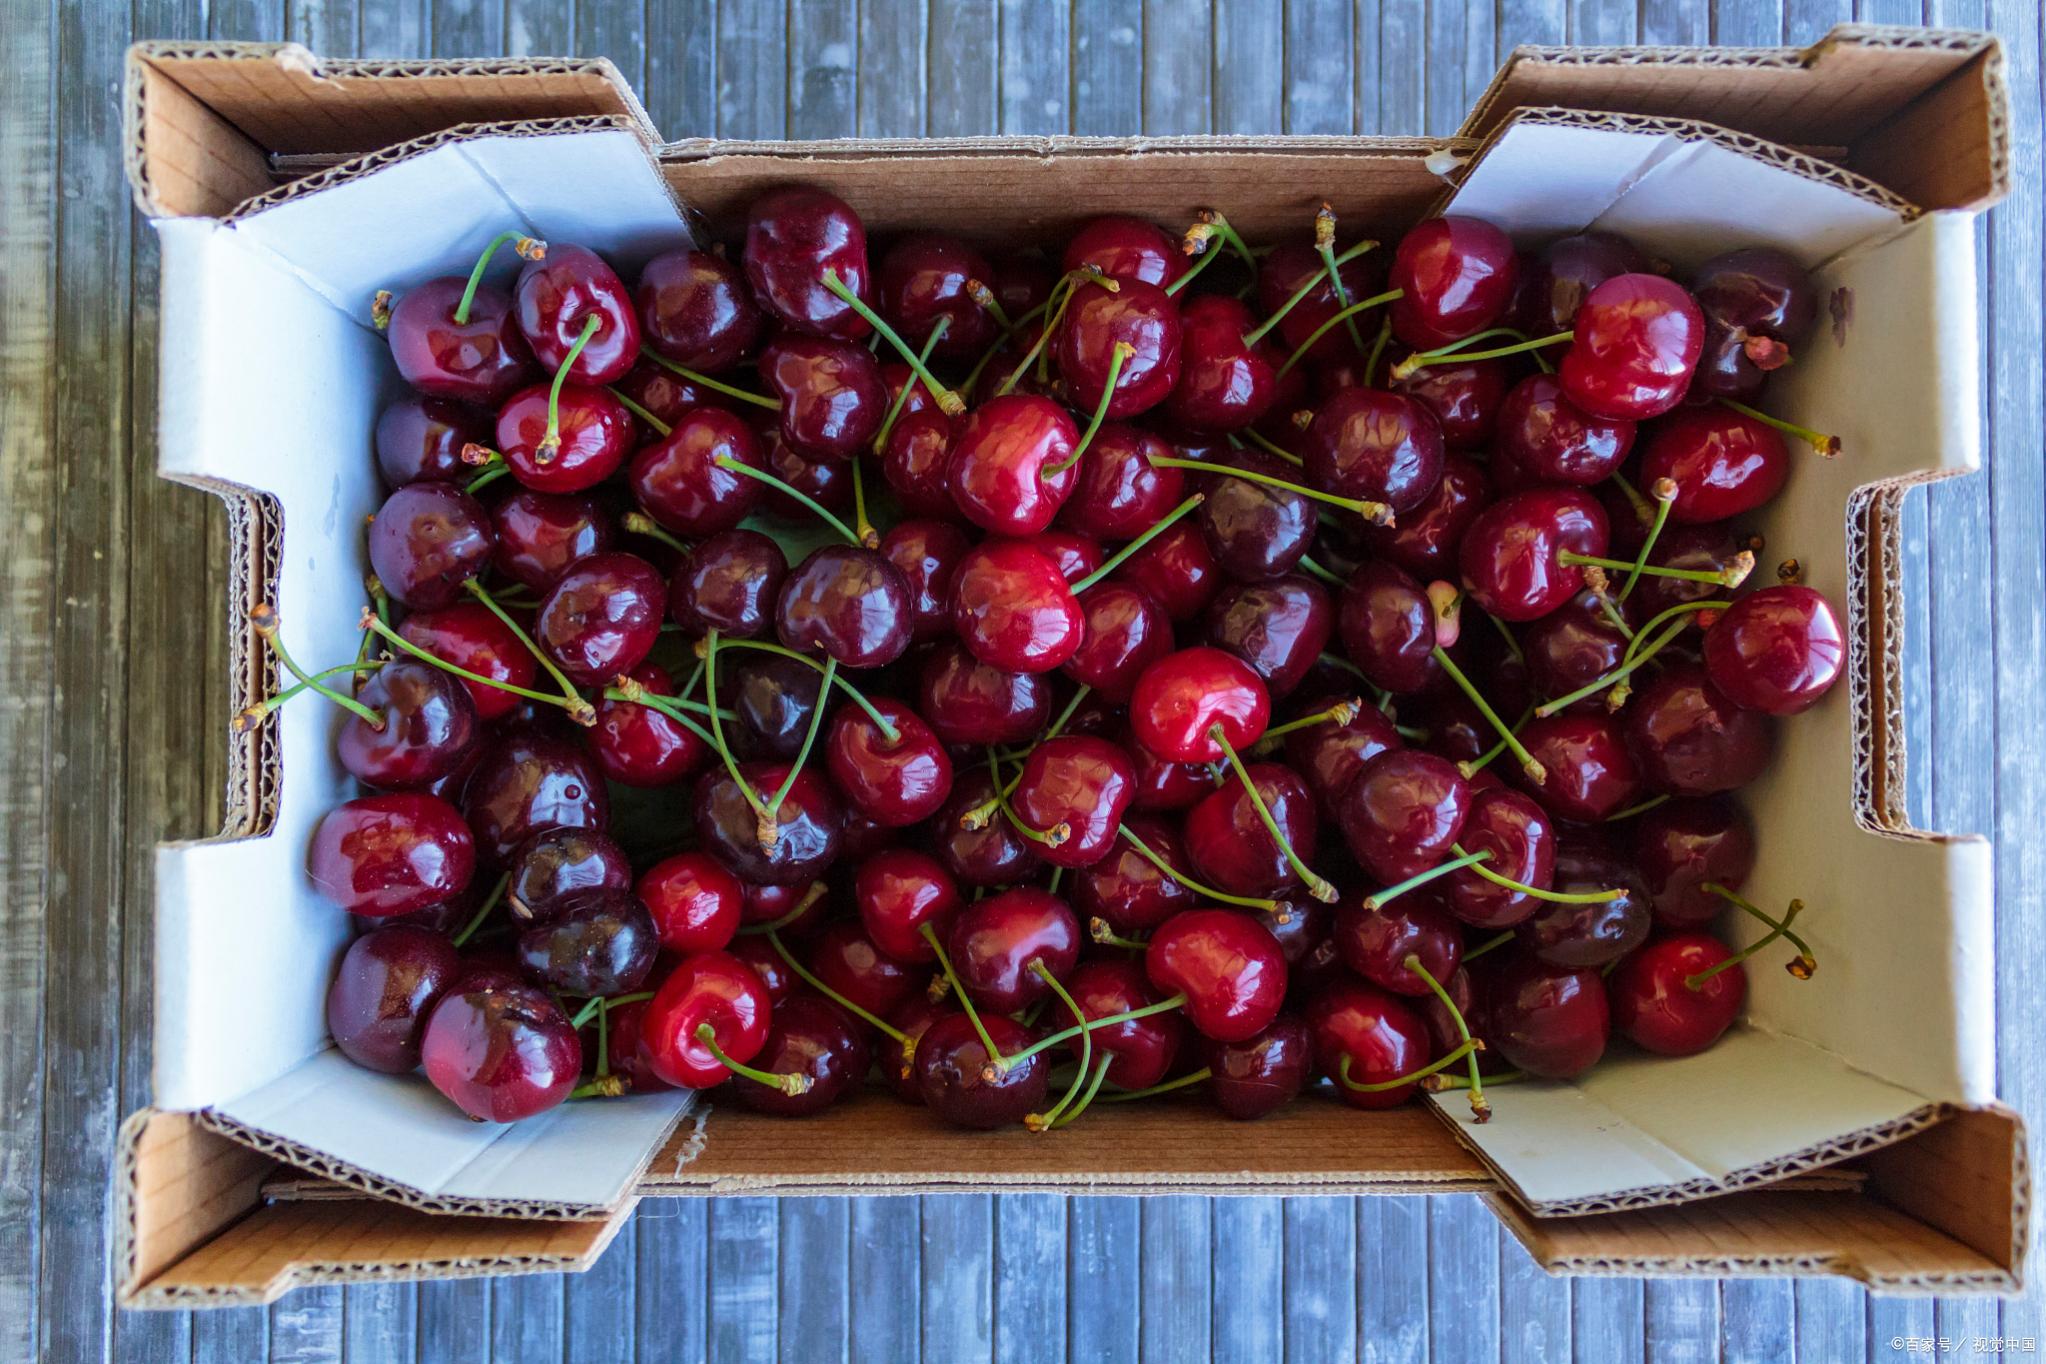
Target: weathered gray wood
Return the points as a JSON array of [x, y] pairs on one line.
[[1179, 64], [305, 1328], [814, 1306], [1463, 1279], [456, 1322], [599, 1319], [1681, 1320], [1249, 1276], [743, 1282], [1103, 1248], [1029, 1277], [1322, 1238], [680, 93], [1392, 1279], [1606, 1320], [1176, 1288], [1248, 70], [671, 1309], [885, 1285], [892, 38], [1036, 92], [528, 1315], [824, 53], [752, 71], [957, 1250], [964, 68], [1320, 67], [1534, 1309]]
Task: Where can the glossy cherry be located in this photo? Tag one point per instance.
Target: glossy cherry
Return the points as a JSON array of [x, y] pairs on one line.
[[1402, 812], [1232, 849], [1224, 384], [1777, 650], [469, 636], [1279, 627], [1376, 445], [1167, 785], [927, 554], [849, 962], [1254, 529], [500, 1050], [1126, 248], [1656, 1007], [811, 1037], [594, 429], [1142, 1050], [994, 854], [1075, 788], [894, 782], [1376, 943], [1550, 1021], [427, 724], [1510, 556], [897, 891], [540, 534], [1689, 739], [420, 439], [478, 360], [847, 602], [1227, 965], [806, 829], [927, 276], [555, 867], [1012, 609], [1289, 265], [1137, 315], [1122, 632], [1127, 889], [529, 781], [714, 989], [729, 583], [425, 541], [664, 394], [1388, 629], [637, 745], [966, 701], [695, 901], [1118, 494], [1457, 276], [1594, 934], [793, 236], [957, 1081], [1592, 772], [1724, 463], [1682, 845], [994, 941], [757, 955], [773, 698], [831, 394], [1260, 1074], [679, 481], [1759, 306], [1555, 441], [1004, 454], [601, 943], [387, 983], [1182, 698], [1329, 755], [1636, 340], [556, 299], [1177, 569], [603, 616], [1370, 1035], [1555, 280], [392, 854], [694, 308], [916, 464], [1571, 647], [1521, 839]]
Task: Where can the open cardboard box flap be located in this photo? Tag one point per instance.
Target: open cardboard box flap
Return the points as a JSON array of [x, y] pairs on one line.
[[1817, 1072]]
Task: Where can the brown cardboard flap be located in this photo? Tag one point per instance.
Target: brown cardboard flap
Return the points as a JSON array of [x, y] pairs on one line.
[[1970, 1177], [176, 1185]]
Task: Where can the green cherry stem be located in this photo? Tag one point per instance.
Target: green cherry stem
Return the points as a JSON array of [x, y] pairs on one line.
[[1470, 767], [816, 892], [1265, 444], [1093, 1088], [984, 298], [705, 381], [1325, 247], [1454, 350], [1041, 1122], [1733, 575], [490, 902], [809, 739], [1536, 773], [950, 403], [1379, 899], [1800, 967], [1665, 491], [717, 741], [1117, 559], [1318, 571], [1317, 885], [1118, 356], [997, 1063], [1643, 513], [551, 442], [944, 324], [1639, 808], [1491, 944], [1480, 1110], [973, 375], [762, 476], [1804, 963], [528, 248], [390, 636], [791, 1085], [1151, 855], [1344, 315], [1828, 446], [597, 1006], [1194, 243], [887, 1029], [569, 694], [1377, 350], [1163, 1006], [639, 523], [1630, 662], [1209, 222], [264, 621], [858, 697], [1555, 897], [1258, 333], [632, 690], [255, 714], [1435, 1084], [1680, 609], [1179, 1082], [1341, 713], [1378, 513], [660, 427], [1101, 931], [1411, 1077], [1062, 296]]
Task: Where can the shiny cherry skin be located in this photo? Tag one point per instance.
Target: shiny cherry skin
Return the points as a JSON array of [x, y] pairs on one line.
[[799, 907], [1118, 494], [1710, 547], [665, 395], [847, 602], [425, 541], [897, 891], [1126, 248], [1227, 965], [1376, 943], [1177, 569], [1329, 756], [994, 854], [1165, 785], [1255, 530], [1012, 609], [925, 277], [1122, 632], [808, 826], [1555, 441], [965, 701], [1554, 282], [602, 943], [1224, 385], [500, 1050], [388, 982], [994, 941], [628, 1059], [1570, 647], [1080, 783], [810, 1036], [383, 855], [1689, 739], [1592, 773], [603, 617], [1402, 812], [1457, 275], [1683, 844], [480, 360], [827, 482], [1636, 341], [1388, 629], [1777, 650], [1655, 1007], [1126, 888], [1139, 315], [712, 988], [595, 430], [1522, 840], [1376, 445], [1759, 305], [1550, 1021], [540, 534], [695, 901], [694, 309], [1075, 554], [1182, 698], [678, 481], [847, 960], [636, 745], [552, 868], [1279, 627], [530, 781], [469, 636], [1023, 280], [793, 236], [1425, 541], [1596, 934], [916, 464], [1002, 464], [1140, 1050], [1466, 399], [555, 299], [1291, 264], [1230, 846], [773, 699], [1378, 1034], [420, 439], [757, 955], [927, 554], [729, 583], [1724, 463], [894, 782], [1510, 553], [428, 725], [956, 1081], [831, 394], [1260, 1074]]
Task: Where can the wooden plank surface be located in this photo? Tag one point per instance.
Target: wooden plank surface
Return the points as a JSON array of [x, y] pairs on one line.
[[111, 585]]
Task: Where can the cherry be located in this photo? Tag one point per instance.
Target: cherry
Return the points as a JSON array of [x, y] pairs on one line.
[[1180, 701], [1522, 842], [826, 482], [757, 955], [1118, 493], [555, 867], [728, 583], [500, 1050], [1231, 847], [456, 338], [1511, 553], [810, 1037], [993, 854], [1553, 440], [557, 299], [927, 276], [1570, 648], [540, 534], [712, 990], [1776, 650], [420, 439], [1122, 632], [1758, 304], [1260, 1074], [1255, 530], [1279, 628], [1023, 281], [1010, 463], [1661, 1005], [1595, 933], [1707, 549], [663, 395], [383, 855], [1466, 398], [388, 982], [849, 963], [1681, 846], [529, 781], [1554, 282], [1550, 1021], [1090, 347], [805, 831], [1225, 383], [637, 745], [593, 432], [1290, 265], [1635, 342], [628, 1058], [893, 781], [1456, 276], [425, 541], [961, 1083], [927, 554], [1402, 812], [469, 636], [681, 482], [1075, 788], [774, 698], [831, 395], [848, 603], [993, 943], [602, 942], [1164, 785], [1371, 1037], [1592, 773], [1177, 569], [1227, 965], [1690, 740], [1724, 463], [1425, 541], [1388, 629], [1374, 445], [1329, 754], [1012, 609], [1376, 942], [694, 309], [966, 701], [603, 616], [1077, 556], [695, 901], [793, 236], [897, 892], [1127, 889], [1142, 1049], [1125, 248], [425, 727], [916, 463]]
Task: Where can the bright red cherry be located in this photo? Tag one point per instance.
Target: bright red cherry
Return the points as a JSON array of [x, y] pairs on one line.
[[1004, 455], [1125, 248], [428, 725], [1550, 1021], [500, 1050], [1143, 1049], [426, 541], [694, 308], [811, 1038], [847, 602], [1457, 275], [966, 701], [1140, 316], [849, 963], [1122, 632], [927, 554], [994, 942], [1164, 785], [1375, 445], [1075, 788], [636, 745], [993, 854], [557, 298], [1118, 494], [695, 900], [603, 616], [1656, 1006], [793, 236], [927, 276], [1232, 849], [714, 989], [1402, 812], [1376, 942], [681, 484], [470, 636], [1465, 397], [1227, 965], [1522, 842], [594, 430], [897, 892], [1361, 1031], [1690, 740], [387, 983], [1224, 384], [1128, 889], [540, 534], [1591, 771], [1183, 697], [1637, 339], [1011, 607], [384, 855], [480, 359], [1279, 628], [1555, 441], [894, 782], [1261, 1074], [1510, 556], [1329, 756], [1177, 569], [1777, 650], [1724, 463], [1291, 264], [956, 1081], [832, 398], [1682, 845], [1553, 282]]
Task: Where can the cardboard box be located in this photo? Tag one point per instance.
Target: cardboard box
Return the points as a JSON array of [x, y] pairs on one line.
[[1835, 1131]]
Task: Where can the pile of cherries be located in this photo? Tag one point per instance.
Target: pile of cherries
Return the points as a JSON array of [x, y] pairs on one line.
[[1256, 670]]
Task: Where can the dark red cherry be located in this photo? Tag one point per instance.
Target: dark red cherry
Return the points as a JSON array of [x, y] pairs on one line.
[[847, 602], [1260, 1074], [479, 360], [664, 394], [827, 482], [1592, 773], [603, 616], [1227, 965], [1012, 609], [1777, 650], [540, 534], [1554, 441], [994, 941], [1255, 530], [773, 698], [894, 782], [636, 745], [1425, 541], [926, 276], [602, 943], [793, 236], [897, 891], [695, 901], [1127, 888], [470, 636], [1122, 632], [1637, 339], [1759, 306], [426, 541], [1232, 849], [1125, 248], [714, 989], [1710, 548], [799, 907], [1457, 276], [757, 955], [1466, 398], [554, 867], [1550, 1021], [1003, 456], [927, 554], [956, 1081], [965, 701], [1118, 494], [529, 781], [1388, 629], [1329, 756], [1079, 784], [1288, 266], [1376, 445], [729, 583], [694, 308], [384, 855], [1376, 943], [1570, 647], [1402, 812], [1521, 839], [814, 1038], [994, 854], [1023, 281], [680, 483], [595, 431], [1656, 1008], [831, 394], [806, 829], [428, 725], [1682, 845], [1510, 553], [1165, 785], [1724, 463], [558, 295], [850, 963], [1594, 934], [1370, 1035], [420, 439], [500, 1050], [1137, 315], [1689, 739], [388, 982], [1224, 384], [1177, 570], [1554, 281], [622, 1023], [1279, 628], [1142, 1049], [1183, 697]]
